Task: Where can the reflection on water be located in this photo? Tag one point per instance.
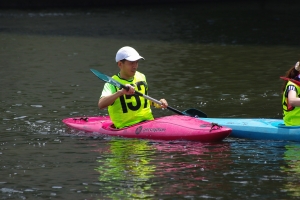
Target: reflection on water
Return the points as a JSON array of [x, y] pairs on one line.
[[292, 168], [125, 169], [134, 168]]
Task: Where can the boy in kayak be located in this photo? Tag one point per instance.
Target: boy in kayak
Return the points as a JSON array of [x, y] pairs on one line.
[[125, 108], [291, 94]]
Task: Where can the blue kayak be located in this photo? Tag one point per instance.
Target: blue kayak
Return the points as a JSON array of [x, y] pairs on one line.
[[258, 129]]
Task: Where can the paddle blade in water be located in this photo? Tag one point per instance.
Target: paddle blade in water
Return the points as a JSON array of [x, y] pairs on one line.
[[195, 113]]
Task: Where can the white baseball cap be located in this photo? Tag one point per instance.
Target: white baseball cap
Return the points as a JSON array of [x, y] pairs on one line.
[[128, 53]]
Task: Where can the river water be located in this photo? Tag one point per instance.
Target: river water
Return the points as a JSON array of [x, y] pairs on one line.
[[224, 59]]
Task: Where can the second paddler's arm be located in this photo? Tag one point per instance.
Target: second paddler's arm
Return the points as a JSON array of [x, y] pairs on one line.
[[293, 99]]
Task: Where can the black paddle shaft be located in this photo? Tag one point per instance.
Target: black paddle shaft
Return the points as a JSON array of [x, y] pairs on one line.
[[189, 112]]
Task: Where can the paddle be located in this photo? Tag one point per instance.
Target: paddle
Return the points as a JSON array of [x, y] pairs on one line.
[[195, 113], [190, 112]]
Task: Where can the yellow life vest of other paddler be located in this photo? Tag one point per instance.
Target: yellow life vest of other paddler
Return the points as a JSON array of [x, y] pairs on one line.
[[291, 115], [131, 109]]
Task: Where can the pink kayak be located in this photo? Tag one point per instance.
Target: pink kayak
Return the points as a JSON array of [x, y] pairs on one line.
[[175, 127]]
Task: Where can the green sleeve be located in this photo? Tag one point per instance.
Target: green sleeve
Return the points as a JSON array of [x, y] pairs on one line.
[[108, 89]]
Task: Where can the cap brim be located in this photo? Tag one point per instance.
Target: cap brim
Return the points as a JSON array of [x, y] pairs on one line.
[[134, 58]]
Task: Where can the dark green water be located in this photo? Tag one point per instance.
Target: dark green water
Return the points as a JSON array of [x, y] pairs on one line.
[[224, 59]]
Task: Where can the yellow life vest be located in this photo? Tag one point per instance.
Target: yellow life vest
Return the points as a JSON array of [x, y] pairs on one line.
[[291, 115], [131, 109]]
